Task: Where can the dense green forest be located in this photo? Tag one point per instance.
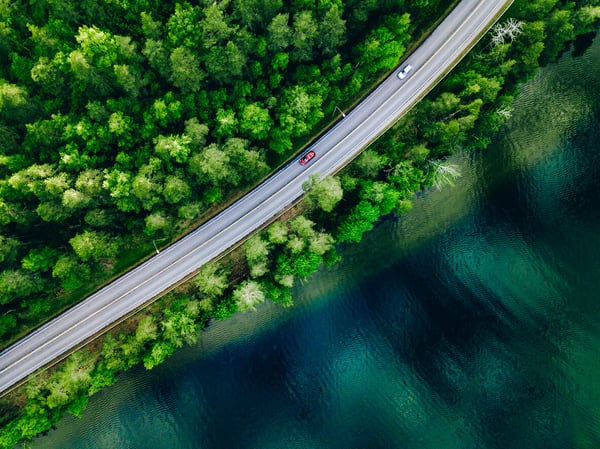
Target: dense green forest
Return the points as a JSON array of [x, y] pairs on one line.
[[124, 122]]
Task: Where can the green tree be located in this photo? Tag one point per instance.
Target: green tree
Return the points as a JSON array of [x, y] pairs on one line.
[[248, 295], [279, 33], [119, 185], [54, 186], [183, 27], [277, 233], [320, 243], [176, 190], [212, 165], [8, 249], [70, 272], [129, 78], [406, 178], [225, 62], [186, 73], [52, 211], [190, 211], [74, 199], [152, 29], [560, 29], [71, 379], [256, 13], [179, 323], [257, 255], [332, 31], [94, 245], [360, 220], [98, 218], [160, 351], [147, 330], [11, 96], [304, 35], [249, 163], [212, 280], [302, 226], [119, 124], [89, 182], [300, 110], [325, 193], [226, 124], [586, 17], [173, 147], [255, 121], [158, 57], [382, 194], [196, 132], [370, 163], [98, 47], [40, 259], [215, 26], [8, 323], [146, 186], [156, 222], [384, 46], [17, 284], [280, 62], [48, 75], [301, 265]]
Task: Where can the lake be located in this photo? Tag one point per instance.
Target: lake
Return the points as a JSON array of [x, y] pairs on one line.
[[473, 321]]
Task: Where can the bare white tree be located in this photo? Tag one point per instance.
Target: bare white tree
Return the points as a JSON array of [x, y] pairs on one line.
[[444, 174], [506, 32]]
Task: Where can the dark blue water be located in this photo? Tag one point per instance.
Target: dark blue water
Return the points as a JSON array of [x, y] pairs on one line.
[[472, 322]]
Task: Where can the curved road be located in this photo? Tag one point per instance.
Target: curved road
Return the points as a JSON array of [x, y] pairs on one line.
[[434, 58]]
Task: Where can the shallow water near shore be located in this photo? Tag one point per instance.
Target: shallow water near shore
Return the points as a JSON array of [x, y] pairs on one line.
[[471, 322]]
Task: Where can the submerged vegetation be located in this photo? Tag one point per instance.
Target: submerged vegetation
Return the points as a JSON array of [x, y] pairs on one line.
[[124, 123]]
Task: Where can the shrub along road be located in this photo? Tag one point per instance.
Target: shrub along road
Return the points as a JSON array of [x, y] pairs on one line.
[[353, 133]]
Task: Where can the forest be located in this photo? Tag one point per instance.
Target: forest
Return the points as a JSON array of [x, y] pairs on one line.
[[124, 123]]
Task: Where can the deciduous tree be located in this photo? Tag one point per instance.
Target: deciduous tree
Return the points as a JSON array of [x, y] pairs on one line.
[[94, 245], [248, 295], [17, 284], [255, 121], [212, 279], [176, 190], [304, 35], [186, 73], [325, 193]]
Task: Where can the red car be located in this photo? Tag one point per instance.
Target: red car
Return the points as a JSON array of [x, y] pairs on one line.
[[307, 157]]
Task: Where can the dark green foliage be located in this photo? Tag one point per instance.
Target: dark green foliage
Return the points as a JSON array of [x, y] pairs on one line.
[[384, 45], [7, 324], [40, 260], [302, 264], [360, 220], [70, 273], [225, 308], [17, 284]]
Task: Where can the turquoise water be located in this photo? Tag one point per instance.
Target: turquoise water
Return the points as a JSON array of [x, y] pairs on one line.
[[471, 322]]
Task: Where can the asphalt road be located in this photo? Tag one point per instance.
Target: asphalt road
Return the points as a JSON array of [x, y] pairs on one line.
[[340, 144]]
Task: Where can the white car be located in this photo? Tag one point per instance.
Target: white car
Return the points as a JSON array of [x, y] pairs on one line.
[[404, 72]]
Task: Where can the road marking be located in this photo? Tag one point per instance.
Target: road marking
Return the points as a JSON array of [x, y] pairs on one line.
[[325, 156]]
